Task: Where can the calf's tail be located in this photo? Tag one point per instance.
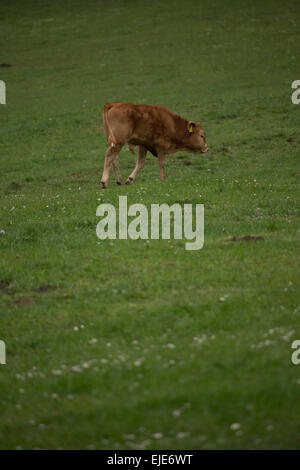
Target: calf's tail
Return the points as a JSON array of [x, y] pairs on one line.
[[108, 130]]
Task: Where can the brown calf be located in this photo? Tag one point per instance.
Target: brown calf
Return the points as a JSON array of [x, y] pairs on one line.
[[153, 128]]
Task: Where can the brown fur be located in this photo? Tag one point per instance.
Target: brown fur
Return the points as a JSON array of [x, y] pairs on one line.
[[153, 128]]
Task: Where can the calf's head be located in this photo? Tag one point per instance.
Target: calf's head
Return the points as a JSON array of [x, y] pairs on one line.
[[196, 137]]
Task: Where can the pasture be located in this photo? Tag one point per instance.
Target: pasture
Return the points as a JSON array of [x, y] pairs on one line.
[[124, 344]]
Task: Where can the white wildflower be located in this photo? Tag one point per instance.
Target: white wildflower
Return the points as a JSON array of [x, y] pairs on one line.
[[235, 426]]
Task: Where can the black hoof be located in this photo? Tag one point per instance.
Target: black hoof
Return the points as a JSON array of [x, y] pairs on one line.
[[129, 180]]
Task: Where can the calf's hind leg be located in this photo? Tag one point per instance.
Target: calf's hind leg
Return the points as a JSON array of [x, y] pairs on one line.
[[140, 163], [111, 154], [117, 171]]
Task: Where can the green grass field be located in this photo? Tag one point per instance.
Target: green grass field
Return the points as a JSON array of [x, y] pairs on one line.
[[132, 345]]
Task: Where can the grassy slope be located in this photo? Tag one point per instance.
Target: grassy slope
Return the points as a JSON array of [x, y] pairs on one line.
[[231, 360]]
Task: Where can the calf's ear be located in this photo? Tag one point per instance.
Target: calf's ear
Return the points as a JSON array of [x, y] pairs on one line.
[[191, 127]]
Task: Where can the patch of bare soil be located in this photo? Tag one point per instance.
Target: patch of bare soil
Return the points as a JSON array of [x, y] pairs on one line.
[[247, 238], [3, 285], [229, 116], [45, 288], [25, 301]]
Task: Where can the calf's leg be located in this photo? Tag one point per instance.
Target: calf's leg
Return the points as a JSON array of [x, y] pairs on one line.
[[111, 153], [140, 163], [117, 171], [161, 161]]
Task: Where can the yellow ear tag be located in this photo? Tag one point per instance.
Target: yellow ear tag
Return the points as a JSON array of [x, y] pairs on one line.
[[191, 130]]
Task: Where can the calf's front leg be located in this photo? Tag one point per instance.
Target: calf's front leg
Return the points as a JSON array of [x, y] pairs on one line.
[[161, 161]]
